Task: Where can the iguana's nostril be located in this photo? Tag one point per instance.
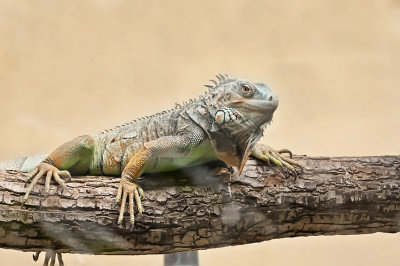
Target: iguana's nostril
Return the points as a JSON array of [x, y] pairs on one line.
[[270, 98]]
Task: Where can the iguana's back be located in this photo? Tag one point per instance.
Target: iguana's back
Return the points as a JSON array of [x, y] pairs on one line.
[[113, 148]]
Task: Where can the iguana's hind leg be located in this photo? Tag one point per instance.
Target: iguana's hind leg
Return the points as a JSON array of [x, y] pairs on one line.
[[73, 157], [268, 154]]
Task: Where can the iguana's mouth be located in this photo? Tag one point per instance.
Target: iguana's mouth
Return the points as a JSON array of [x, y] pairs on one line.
[[258, 105]]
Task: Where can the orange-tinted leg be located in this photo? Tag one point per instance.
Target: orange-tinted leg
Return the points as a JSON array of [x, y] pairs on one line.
[[170, 146], [74, 156]]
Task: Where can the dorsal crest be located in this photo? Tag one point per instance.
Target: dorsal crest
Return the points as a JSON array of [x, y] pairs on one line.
[[221, 79]]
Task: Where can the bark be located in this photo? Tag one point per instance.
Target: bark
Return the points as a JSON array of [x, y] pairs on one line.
[[199, 208]]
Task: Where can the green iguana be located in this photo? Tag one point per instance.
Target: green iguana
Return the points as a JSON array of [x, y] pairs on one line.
[[223, 124]]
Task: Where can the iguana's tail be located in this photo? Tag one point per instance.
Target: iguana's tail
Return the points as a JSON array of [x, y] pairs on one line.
[[25, 164]]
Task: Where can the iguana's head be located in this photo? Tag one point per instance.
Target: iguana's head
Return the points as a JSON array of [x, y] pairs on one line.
[[237, 101], [233, 114]]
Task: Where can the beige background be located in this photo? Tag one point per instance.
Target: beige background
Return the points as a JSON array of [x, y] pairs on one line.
[[77, 67]]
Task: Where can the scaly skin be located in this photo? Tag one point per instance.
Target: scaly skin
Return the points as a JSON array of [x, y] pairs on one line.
[[224, 124]]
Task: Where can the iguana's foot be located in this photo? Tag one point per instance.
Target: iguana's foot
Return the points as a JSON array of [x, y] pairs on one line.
[[268, 154], [126, 188], [50, 256], [50, 171]]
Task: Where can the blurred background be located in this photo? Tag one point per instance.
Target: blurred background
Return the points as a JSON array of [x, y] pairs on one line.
[[69, 68]]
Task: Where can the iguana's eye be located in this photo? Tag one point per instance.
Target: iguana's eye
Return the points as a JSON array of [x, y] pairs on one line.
[[247, 91]]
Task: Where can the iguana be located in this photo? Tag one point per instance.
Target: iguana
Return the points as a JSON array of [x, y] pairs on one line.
[[223, 124]]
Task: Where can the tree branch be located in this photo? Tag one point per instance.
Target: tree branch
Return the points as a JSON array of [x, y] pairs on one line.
[[198, 208]]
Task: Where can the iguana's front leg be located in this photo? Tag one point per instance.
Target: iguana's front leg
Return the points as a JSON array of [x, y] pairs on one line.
[[268, 154], [167, 147]]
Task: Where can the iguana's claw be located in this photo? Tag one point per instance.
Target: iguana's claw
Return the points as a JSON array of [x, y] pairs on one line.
[[50, 172], [127, 188], [50, 256], [269, 155]]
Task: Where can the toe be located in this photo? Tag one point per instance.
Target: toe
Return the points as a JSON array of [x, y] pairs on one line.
[[65, 175], [119, 193], [289, 167], [58, 179], [285, 151], [53, 259], [274, 159], [122, 210], [131, 205], [36, 256], [47, 183], [47, 258], [31, 175], [141, 192], [32, 184], [60, 259], [138, 201]]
